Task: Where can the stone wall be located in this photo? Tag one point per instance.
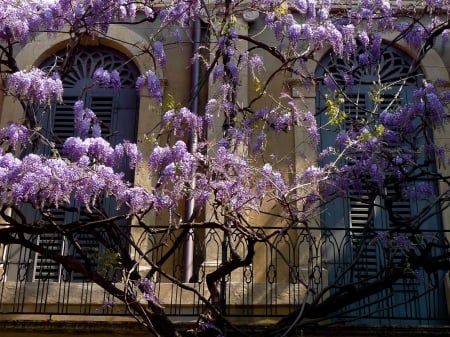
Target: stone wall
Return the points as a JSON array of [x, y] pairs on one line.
[[130, 329]]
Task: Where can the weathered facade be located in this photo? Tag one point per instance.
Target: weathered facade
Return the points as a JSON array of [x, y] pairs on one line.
[[33, 289]]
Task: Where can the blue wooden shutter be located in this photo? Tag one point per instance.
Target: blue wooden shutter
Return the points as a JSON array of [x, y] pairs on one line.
[[118, 113], [362, 211]]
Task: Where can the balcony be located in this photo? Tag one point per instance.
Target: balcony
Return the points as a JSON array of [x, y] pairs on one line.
[[261, 293]]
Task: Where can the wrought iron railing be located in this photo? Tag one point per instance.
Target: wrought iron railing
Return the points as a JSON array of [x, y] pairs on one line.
[[271, 286]]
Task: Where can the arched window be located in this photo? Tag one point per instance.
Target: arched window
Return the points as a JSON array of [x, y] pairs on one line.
[[118, 113], [360, 82], [369, 90], [117, 110], [395, 82]]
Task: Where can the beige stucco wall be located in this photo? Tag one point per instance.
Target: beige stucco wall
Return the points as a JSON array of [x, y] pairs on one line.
[[292, 150]]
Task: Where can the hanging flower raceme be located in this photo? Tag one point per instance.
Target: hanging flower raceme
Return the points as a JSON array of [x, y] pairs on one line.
[[52, 182], [22, 19], [174, 167], [36, 86], [14, 134], [173, 161], [183, 121], [150, 79], [391, 147], [158, 52], [180, 13], [100, 151], [85, 121], [105, 78], [240, 187]]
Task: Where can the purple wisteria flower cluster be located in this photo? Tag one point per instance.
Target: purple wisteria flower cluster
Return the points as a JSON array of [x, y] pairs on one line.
[[152, 81], [242, 187], [35, 86], [254, 129], [230, 180], [180, 13], [147, 287], [403, 241], [368, 157], [21, 20], [159, 53], [90, 175], [51, 182], [183, 120], [175, 166], [399, 247], [14, 134], [86, 122], [313, 26], [236, 188], [99, 151], [396, 243], [105, 78]]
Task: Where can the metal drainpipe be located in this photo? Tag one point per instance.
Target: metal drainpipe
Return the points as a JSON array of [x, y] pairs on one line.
[[188, 256]]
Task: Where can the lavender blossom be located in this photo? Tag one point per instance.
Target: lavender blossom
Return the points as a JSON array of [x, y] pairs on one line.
[[419, 191], [403, 242], [14, 134], [218, 72], [294, 33], [256, 64], [330, 83], [233, 72], [148, 289], [160, 55], [153, 84], [85, 121], [383, 238], [115, 80], [364, 39], [102, 77], [35, 86]]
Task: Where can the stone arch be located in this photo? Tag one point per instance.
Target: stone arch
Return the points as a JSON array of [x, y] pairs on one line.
[[43, 46], [394, 64], [431, 65]]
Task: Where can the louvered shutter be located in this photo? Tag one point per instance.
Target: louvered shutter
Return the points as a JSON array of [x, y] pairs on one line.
[[44, 267], [102, 104], [118, 114], [362, 211]]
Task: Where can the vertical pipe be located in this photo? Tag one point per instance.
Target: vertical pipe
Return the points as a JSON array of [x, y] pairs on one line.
[[188, 256]]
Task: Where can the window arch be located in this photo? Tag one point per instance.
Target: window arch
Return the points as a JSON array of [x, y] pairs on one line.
[[117, 110], [118, 113], [394, 71], [393, 65]]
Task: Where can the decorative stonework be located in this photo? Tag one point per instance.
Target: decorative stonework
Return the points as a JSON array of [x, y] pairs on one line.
[[250, 16], [89, 59], [300, 89]]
